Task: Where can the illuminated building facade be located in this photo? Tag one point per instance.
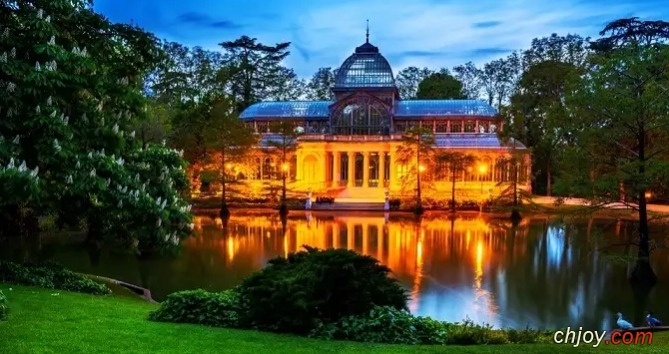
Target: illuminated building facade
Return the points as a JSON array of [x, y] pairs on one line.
[[348, 146]]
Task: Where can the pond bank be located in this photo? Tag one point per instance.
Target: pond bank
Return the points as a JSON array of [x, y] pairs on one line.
[[80, 323]]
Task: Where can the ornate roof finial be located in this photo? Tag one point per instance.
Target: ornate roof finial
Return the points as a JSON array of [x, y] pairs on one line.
[[367, 35]]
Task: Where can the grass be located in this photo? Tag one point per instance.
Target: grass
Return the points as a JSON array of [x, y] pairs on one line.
[[52, 321]]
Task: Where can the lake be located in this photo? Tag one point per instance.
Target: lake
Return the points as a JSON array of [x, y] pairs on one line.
[[540, 274]]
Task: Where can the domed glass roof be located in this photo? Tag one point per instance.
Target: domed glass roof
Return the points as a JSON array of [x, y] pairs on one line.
[[365, 68]]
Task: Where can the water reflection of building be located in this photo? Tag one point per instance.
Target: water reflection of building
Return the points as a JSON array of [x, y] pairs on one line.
[[540, 274], [410, 249]]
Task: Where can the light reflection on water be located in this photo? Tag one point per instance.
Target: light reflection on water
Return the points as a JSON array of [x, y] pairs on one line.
[[539, 274]]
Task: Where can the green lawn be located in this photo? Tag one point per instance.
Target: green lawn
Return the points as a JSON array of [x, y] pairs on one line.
[[42, 322]]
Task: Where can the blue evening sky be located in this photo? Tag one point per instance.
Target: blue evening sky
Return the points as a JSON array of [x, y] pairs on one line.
[[433, 33]]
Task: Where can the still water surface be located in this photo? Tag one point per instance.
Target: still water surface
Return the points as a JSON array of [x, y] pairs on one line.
[[541, 274]]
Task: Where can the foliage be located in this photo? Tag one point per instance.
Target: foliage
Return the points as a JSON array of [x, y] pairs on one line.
[[621, 152], [50, 276], [72, 95], [384, 325], [293, 294], [456, 162], [320, 86], [441, 85], [408, 79], [415, 156], [219, 309], [4, 308], [251, 69]]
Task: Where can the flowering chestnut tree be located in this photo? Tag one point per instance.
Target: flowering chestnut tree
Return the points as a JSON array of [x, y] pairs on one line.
[[71, 86]]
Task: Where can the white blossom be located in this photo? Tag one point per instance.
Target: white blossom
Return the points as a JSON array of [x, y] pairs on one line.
[[75, 50], [23, 166], [115, 128], [12, 52], [11, 162], [48, 19], [120, 204], [107, 182], [164, 142], [84, 118], [69, 179], [102, 121], [49, 101], [159, 222], [56, 145], [10, 87], [83, 52], [181, 153], [78, 165], [102, 152], [99, 108], [34, 172], [159, 200], [40, 13], [120, 161], [132, 134], [3, 57], [37, 109], [37, 66], [163, 204], [16, 139], [191, 226], [90, 154], [5, 33], [92, 174], [53, 114], [66, 121], [52, 40]]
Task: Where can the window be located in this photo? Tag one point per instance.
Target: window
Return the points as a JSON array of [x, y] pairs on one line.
[[456, 127], [361, 116], [441, 127], [469, 127]]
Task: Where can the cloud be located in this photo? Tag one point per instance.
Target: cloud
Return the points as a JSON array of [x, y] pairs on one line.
[[417, 33], [486, 24]]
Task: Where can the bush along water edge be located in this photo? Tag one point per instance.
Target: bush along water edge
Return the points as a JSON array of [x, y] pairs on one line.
[[50, 276]]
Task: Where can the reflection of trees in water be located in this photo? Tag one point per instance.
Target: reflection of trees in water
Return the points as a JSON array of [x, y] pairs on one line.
[[539, 273]]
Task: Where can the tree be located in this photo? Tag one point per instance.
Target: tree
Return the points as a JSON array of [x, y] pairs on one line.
[[285, 147], [441, 85], [251, 67], [73, 84], [230, 138], [457, 162], [287, 86], [498, 79], [623, 103], [320, 86], [470, 77], [408, 80], [414, 154], [537, 113]]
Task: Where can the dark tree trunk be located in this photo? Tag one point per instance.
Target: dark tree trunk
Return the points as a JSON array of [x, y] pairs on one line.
[[453, 190], [224, 213], [549, 178], [643, 273]]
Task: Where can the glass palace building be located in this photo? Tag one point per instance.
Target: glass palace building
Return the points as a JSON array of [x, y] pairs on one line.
[[348, 147]]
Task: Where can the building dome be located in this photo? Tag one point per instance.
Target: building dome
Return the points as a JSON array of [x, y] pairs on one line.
[[365, 68]]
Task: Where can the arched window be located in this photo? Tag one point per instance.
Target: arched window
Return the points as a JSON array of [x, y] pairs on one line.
[[361, 116]]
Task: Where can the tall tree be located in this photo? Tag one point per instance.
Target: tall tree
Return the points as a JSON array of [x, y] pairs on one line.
[[284, 148], [623, 102], [441, 85], [416, 155], [73, 84], [288, 86], [456, 162], [250, 68], [320, 85], [470, 77], [408, 80], [498, 79], [231, 139]]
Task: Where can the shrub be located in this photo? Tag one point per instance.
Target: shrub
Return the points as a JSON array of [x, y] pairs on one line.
[[3, 306], [50, 276], [468, 333], [384, 325], [217, 309], [293, 294], [529, 336]]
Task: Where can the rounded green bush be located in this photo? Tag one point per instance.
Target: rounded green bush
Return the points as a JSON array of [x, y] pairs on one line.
[[314, 286], [199, 307]]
